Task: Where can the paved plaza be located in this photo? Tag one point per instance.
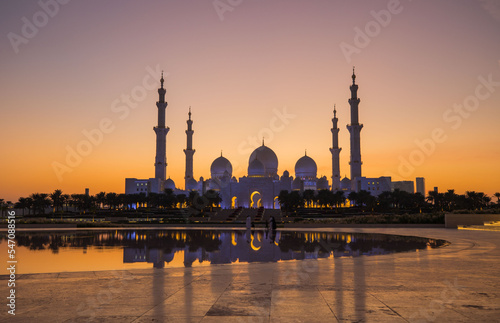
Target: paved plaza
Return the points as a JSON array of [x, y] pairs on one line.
[[456, 283]]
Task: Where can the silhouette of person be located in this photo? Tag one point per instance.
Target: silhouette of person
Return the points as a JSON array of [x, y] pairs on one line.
[[249, 221], [272, 223]]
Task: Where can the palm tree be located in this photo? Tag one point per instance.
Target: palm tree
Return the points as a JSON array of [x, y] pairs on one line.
[[325, 198], [364, 198], [213, 197], [295, 200], [339, 198], [112, 200], [100, 199], [497, 195], [66, 200], [57, 200], [181, 199], [40, 202], [169, 199], [24, 203], [309, 197], [450, 200], [353, 198]]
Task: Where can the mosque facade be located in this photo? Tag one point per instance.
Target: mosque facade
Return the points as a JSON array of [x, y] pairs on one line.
[[263, 184]]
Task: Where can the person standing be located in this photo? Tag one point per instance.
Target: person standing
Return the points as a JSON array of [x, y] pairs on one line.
[[249, 222]]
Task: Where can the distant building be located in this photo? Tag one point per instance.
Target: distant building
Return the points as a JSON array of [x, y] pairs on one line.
[[405, 186], [421, 185]]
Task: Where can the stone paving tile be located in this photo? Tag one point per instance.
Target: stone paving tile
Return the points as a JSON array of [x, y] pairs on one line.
[[301, 309], [327, 318], [177, 319], [235, 319]]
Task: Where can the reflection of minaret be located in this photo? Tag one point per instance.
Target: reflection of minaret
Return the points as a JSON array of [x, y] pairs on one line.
[[161, 135], [355, 130], [189, 151], [335, 150]]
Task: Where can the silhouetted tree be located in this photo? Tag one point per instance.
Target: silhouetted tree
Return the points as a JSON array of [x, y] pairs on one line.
[[309, 197], [325, 198], [353, 198], [23, 203], [497, 195], [168, 199], [112, 200], [213, 198], [100, 199], [40, 202], [181, 199], [57, 200], [339, 198]]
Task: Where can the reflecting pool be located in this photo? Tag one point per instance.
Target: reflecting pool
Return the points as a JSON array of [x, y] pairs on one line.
[[89, 250]]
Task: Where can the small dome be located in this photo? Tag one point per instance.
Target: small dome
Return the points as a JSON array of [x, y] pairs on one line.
[[220, 166], [286, 174], [322, 183], [297, 184], [306, 168], [256, 168], [191, 184], [345, 184], [268, 158], [169, 184]]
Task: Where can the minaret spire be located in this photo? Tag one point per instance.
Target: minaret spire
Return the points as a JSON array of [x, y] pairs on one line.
[[161, 135], [355, 130], [335, 150], [189, 151]]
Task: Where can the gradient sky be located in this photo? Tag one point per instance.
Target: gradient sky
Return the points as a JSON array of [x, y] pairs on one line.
[[235, 73]]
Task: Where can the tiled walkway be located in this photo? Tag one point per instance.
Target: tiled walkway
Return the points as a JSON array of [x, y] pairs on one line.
[[457, 283]]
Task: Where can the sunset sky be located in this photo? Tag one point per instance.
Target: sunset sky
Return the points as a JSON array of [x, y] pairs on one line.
[[74, 67]]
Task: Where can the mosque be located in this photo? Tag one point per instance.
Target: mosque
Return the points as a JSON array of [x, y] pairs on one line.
[[262, 185]]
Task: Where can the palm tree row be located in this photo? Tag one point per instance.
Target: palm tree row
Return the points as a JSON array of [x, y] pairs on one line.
[[450, 201], [386, 201], [39, 203]]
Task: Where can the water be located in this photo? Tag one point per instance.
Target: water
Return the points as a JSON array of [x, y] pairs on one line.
[[88, 250]]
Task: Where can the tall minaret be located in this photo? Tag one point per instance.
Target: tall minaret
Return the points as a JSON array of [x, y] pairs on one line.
[[355, 130], [189, 151], [161, 135], [335, 150]]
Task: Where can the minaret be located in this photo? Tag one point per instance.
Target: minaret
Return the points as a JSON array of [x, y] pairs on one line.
[[355, 130], [335, 150], [161, 135], [189, 151]]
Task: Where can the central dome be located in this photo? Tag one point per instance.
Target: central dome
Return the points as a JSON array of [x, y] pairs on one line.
[[220, 167], [267, 157], [306, 168]]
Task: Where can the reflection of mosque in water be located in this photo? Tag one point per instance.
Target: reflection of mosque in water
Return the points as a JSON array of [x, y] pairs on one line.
[[261, 246], [176, 248]]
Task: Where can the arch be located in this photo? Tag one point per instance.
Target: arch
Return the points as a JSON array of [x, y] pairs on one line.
[[276, 204], [255, 199], [234, 202]]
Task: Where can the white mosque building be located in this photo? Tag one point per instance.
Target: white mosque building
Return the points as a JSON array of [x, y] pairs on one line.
[[262, 185]]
